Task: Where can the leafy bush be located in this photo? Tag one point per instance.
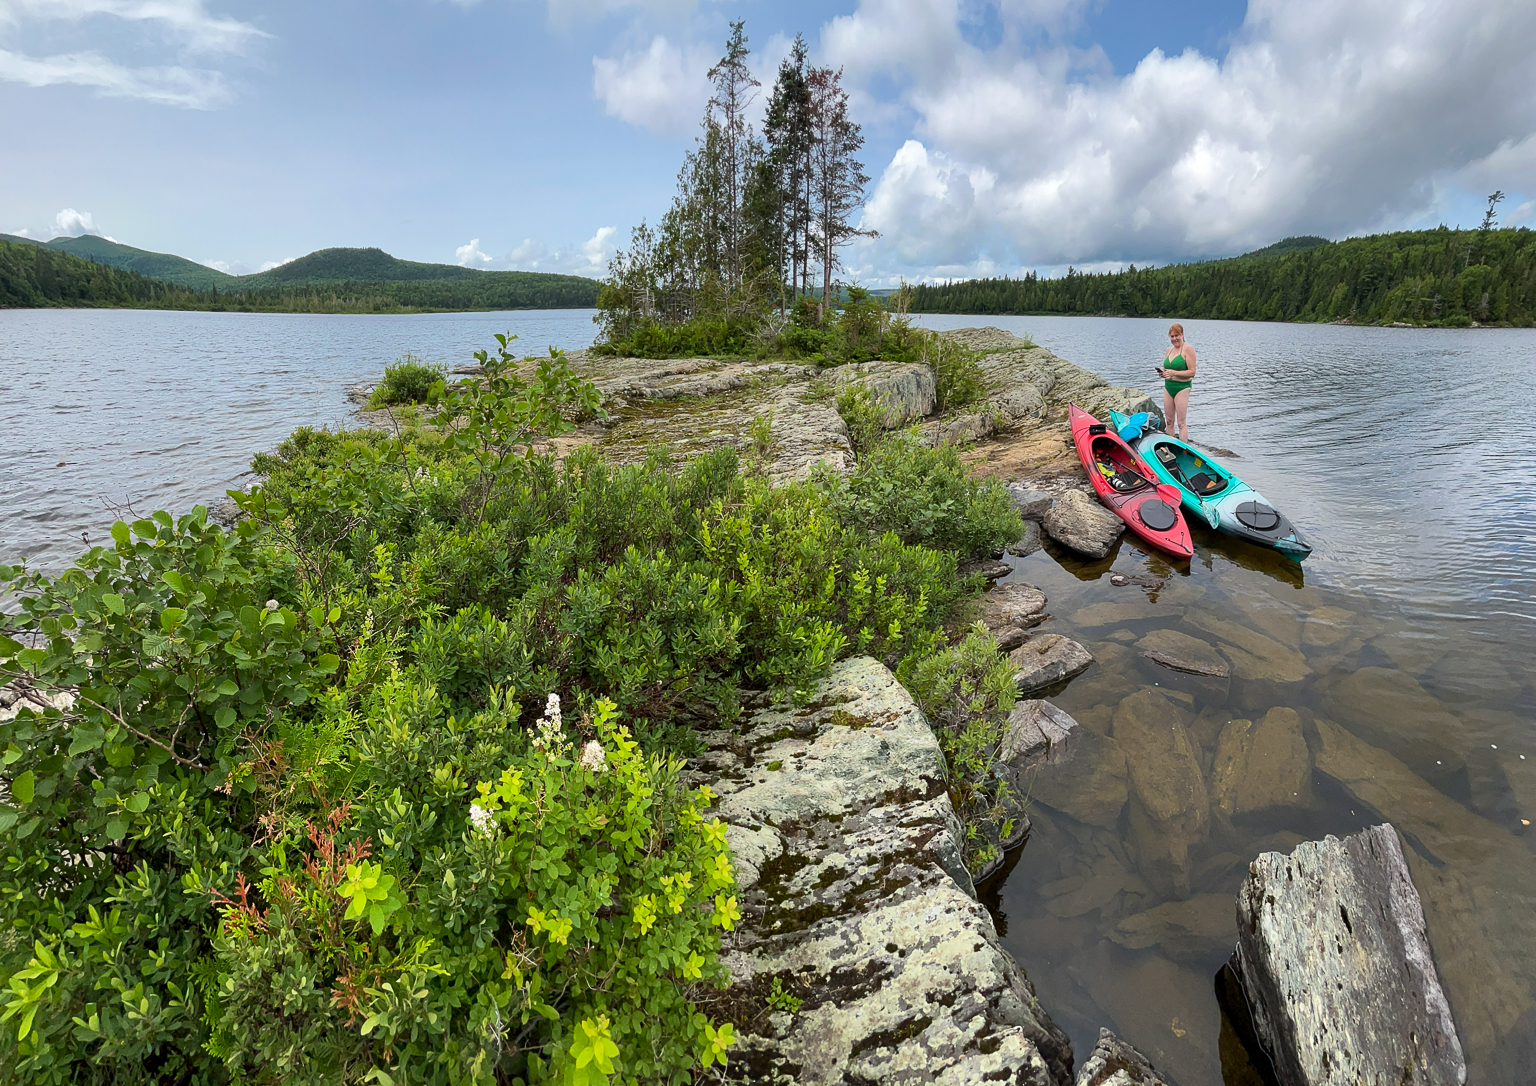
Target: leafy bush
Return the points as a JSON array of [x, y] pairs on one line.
[[408, 380], [924, 496], [967, 692], [864, 418]]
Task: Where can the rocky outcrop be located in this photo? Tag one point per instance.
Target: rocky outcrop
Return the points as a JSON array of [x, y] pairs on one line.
[[1046, 660], [1009, 610], [1079, 522], [858, 904], [1115, 1063], [1333, 957], [1031, 504], [903, 391]]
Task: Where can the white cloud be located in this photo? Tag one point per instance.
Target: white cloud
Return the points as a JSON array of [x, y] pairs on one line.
[[470, 256], [185, 25], [240, 267], [663, 87], [1322, 118], [590, 258]]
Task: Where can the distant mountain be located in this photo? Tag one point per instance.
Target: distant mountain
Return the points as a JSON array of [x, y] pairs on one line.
[[92, 271], [358, 266]]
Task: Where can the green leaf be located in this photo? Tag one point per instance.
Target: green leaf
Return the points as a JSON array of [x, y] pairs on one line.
[[7, 820], [144, 529], [137, 803], [117, 829], [32, 657], [23, 786], [171, 618], [224, 717], [113, 603], [328, 663], [175, 580], [8, 648], [229, 688], [120, 534]]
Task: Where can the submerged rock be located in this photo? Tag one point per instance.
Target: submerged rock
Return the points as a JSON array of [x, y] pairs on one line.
[[1253, 655], [1028, 543], [1046, 660], [1263, 765], [1391, 710], [1170, 809], [1115, 1063], [1180, 652], [1091, 785], [1333, 956], [1184, 930], [1079, 522], [856, 900]]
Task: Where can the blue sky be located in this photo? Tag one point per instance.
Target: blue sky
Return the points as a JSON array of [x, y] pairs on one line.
[[1001, 135]]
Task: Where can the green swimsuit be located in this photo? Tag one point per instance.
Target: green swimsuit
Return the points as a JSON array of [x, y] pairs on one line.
[[1176, 363]]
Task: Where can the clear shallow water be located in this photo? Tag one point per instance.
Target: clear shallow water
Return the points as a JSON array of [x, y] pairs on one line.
[[1403, 648], [164, 410], [1403, 454]]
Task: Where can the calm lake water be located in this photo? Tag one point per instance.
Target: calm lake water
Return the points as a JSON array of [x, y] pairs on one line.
[[1401, 652]]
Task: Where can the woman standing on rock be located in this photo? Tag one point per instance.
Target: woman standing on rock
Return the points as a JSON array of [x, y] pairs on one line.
[[1177, 372]]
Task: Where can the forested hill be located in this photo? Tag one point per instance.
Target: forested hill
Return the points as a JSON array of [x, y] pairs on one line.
[[177, 270], [33, 275], [1432, 277]]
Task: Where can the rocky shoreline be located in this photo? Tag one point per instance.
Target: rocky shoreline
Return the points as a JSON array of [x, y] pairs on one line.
[[864, 955]]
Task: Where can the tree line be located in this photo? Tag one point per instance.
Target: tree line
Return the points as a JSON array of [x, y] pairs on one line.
[[1435, 277], [32, 276], [759, 220]]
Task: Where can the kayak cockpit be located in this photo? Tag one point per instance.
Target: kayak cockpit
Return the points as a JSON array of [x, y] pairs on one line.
[[1116, 469], [1201, 479]]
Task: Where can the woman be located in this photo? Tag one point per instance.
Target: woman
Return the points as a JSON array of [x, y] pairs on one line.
[[1177, 372]]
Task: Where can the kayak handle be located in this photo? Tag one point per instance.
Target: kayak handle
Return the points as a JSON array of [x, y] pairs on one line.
[[1097, 428]]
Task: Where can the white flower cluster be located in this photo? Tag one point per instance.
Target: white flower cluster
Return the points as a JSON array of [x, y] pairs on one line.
[[482, 820], [271, 605], [548, 736], [593, 758]]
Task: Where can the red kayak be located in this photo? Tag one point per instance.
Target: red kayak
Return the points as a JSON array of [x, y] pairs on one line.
[[1128, 486]]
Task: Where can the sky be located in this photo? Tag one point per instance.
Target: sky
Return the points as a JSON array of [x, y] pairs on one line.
[[1001, 135]]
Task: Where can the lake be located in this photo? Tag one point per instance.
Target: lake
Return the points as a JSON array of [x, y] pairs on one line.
[[1401, 651]]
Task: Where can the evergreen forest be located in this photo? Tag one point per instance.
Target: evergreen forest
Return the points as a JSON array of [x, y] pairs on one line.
[[331, 281], [1442, 277]]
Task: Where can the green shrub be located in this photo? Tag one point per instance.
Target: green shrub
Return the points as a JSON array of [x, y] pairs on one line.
[[967, 692], [925, 497], [864, 418], [408, 380]]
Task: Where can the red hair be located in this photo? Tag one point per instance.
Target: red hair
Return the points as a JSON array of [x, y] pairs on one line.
[[1175, 327]]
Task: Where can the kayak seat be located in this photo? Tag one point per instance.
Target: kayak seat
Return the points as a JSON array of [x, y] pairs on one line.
[[1203, 484], [1126, 481]]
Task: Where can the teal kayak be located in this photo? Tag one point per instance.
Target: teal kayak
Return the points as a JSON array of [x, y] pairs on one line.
[[1211, 493]]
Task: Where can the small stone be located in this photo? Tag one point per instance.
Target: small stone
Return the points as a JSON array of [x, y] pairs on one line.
[[1119, 580], [990, 568], [1012, 604], [1048, 659], [1031, 504], [1028, 543], [1079, 522]]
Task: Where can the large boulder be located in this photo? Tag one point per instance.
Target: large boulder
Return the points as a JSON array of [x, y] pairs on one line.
[[1390, 709], [1047, 660], [1082, 524], [857, 902], [1090, 784], [1031, 504], [1180, 652], [1335, 961], [903, 390]]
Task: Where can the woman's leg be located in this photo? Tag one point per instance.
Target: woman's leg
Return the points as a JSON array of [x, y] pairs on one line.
[[1181, 408], [1168, 420]]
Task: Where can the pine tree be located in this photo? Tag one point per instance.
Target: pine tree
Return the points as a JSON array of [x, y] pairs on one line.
[[787, 131], [837, 179]]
